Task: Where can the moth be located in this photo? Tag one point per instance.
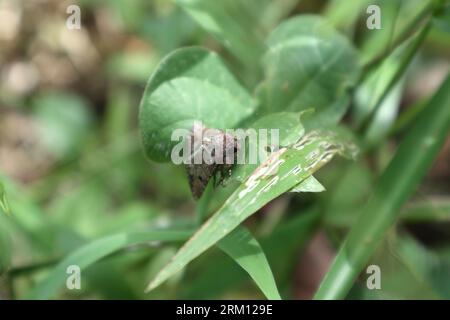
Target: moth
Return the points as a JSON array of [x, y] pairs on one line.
[[212, 154]]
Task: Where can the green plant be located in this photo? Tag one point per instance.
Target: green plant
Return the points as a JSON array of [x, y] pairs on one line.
[[330, 86], [305, 63]]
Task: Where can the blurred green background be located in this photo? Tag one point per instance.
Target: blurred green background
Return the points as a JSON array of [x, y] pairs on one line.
[[73, 170]]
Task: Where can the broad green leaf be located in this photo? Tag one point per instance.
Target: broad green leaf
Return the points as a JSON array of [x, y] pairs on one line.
[[233, 22], [171, 28], [282, 171], [412, 160], [308, 65], [96, 250], [190, 84], [287, 123], [246, 251]]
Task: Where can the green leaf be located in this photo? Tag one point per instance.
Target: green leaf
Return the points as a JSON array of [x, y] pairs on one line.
[[169, 27], [343, 13], [427, 266], [5, 248], [282, 171], [29, 219], [190, 84], [281, 247], [243, 248], [404, 173], [310, 184], [3, 200], [64, 120], [308, 65], [379, 40], [96, 250], [381, 82], [400, 19], [384, 117], [432, 209], [233, 22], [5, 240], [131, 66], [288, 123], [290, 129]]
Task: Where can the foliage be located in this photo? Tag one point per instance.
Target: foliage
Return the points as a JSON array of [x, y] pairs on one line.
[[76, 188]]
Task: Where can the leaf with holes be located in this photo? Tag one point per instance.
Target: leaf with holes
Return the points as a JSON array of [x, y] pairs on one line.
[[282, 171]]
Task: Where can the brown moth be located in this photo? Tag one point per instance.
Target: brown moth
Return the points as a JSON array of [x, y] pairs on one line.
[[212, 154]]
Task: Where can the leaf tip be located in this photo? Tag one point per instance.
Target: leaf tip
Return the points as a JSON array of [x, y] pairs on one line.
[[154, 283]]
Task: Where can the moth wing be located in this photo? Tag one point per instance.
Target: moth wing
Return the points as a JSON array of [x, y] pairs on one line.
[[199, 176]]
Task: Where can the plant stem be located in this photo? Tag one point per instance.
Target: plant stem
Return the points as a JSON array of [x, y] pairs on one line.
[[410, 163]]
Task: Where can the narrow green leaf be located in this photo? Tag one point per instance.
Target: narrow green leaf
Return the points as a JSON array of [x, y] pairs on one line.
[[401, 19], [379, 40], [243, 248], [96, 250], [426, 265], [3, 200], [385, 116], [410, 163], [281, 247], [5, 248], [382, 81], [310, 184], [433, 209], [233, 22], [343, 13], [282, 171]]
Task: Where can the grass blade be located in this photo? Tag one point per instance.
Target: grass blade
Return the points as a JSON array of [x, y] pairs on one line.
[[96, 250], [410, 163], [4, 206], [282, 171], [245, 250], [5, 249]]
